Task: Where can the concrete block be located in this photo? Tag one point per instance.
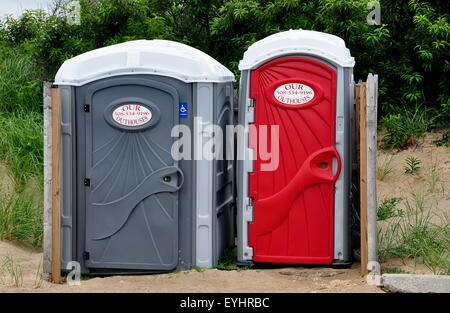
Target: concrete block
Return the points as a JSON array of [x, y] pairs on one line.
[[409, 283]]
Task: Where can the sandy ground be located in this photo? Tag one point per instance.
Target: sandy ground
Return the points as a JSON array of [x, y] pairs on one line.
[[431, 183], [433, 160], [286, 279]]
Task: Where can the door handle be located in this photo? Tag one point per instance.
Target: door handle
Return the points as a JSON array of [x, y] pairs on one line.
[[317, 168], [111, 216], [167, 177]]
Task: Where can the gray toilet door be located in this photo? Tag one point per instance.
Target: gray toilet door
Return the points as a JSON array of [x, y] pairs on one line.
[[133, 181]]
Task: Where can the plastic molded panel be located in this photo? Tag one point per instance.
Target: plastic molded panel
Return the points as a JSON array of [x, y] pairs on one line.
[[293, 218], [297, 42], [204, 177], [155, 57], [132, 200]]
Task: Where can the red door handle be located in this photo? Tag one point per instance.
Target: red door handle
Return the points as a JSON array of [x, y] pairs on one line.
[[271, 211]]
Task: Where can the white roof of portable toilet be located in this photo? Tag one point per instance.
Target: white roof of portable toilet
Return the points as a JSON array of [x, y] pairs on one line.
[[158, 57], [323, 45]]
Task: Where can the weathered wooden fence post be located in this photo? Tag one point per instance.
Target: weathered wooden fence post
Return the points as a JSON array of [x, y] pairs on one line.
[[366, 101], [372, 102], [52, 202], [363, 175], [56, 180], [47, 241]]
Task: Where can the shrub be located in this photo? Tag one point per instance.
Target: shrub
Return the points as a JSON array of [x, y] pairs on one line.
[[403, 130], [444, 141], [408, 51], [387, 209]]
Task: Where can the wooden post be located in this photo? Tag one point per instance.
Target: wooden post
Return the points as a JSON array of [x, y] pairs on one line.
[[47, 241], [363, 177], [56, 176], [357, 108], [371, 107]]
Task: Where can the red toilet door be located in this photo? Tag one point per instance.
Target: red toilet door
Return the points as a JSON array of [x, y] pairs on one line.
[[294, 203]]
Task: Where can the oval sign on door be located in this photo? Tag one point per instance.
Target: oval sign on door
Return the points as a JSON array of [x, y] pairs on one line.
[[132, 115], [294, 93]]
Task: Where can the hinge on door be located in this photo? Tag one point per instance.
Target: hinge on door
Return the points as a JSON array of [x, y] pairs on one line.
[[87, 182], [250, 114], [86, 255], [87, 108], [250, 206]]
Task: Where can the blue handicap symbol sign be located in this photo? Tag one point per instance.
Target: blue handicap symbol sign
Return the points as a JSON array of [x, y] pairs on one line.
[[184, 109]]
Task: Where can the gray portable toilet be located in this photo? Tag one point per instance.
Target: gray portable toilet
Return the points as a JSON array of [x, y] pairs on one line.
[[298, 211], [127, 204]]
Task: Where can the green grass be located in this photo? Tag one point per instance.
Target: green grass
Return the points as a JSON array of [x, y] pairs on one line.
[[21, 145], [38, 278], [415, 236], [21, 150], [12, 271], [434, 178], [395, 270], [226, 261], [385, 168], [20, 87], [21, 219]]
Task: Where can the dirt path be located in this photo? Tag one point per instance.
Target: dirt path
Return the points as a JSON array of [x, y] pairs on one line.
[[298, 279]]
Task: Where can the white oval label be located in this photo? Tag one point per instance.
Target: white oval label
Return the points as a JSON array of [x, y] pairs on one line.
[[294, 93], [132, 115]]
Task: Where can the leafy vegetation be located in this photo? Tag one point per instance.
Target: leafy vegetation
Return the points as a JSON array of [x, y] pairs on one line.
[[226, 261], [444, 141], [387, 209], [197, 269], [406, 129], [408, 51], [412, 165]]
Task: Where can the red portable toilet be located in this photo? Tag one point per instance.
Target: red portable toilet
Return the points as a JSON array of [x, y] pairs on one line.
[[300, 83]]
